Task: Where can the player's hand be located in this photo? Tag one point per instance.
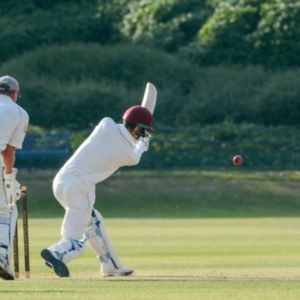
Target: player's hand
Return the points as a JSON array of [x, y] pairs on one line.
[[12, 187], [146, 141]]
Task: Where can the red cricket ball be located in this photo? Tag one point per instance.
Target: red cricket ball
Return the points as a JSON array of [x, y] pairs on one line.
[[237, 160]]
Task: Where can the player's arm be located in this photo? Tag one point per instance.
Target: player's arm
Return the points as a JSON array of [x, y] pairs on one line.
[[9, 158], [135, 155]]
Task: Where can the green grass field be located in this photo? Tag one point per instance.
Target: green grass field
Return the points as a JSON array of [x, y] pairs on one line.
[[174, 259], [188, 235]]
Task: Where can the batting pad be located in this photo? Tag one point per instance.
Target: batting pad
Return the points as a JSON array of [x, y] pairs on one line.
[[12, 228], [99, 241]]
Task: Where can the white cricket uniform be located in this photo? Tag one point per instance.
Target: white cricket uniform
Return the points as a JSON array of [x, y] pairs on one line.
[[13, 127], [109, 147]]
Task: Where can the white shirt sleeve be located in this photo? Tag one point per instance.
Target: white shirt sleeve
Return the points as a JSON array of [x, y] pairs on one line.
[[18, 135]]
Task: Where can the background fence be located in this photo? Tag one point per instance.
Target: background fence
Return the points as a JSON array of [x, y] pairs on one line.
[[273, 148], [44, 150]]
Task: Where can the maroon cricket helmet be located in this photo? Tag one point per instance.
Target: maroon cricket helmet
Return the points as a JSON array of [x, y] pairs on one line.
[[139, 116]]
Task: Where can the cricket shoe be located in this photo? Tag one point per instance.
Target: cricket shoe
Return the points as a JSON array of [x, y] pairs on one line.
[[5, 272], [108, 269], [53, 261]]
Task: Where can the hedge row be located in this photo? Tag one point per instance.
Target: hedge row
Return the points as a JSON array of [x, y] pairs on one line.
[[208, 147], [74, 86]]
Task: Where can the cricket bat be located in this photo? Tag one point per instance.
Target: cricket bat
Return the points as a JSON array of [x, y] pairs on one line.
[[149, 100]]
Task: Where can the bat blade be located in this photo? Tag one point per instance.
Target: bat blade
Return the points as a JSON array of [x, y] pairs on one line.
[[149, 100]]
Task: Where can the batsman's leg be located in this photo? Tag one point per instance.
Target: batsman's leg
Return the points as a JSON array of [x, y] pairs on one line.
[[72, 195], [99, 241], [58, 255], [13, 222], [67, 249], [7, 230], [16, 252]]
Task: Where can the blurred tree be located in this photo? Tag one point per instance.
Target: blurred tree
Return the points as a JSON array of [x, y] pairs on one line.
[[250, 31], [224, 36], [33, 23], [165, 24], [276, 41], [72, 86], [204, 31], [278, 101], [11, 7]]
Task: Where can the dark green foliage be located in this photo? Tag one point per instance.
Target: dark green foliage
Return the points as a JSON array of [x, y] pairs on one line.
[[224, 35], [207, 32], [276, 41], [76, 68], [11, 7], [70, 105], [225, 93], [30, 24], [250, 31], [73, 87], [278, 101], [165, 24]]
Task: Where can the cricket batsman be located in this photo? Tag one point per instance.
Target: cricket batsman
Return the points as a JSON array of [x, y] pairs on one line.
[[109, 147], [13, 127]]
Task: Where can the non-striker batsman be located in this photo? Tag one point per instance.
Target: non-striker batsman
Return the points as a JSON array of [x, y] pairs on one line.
[[13, 127], [109, 147]]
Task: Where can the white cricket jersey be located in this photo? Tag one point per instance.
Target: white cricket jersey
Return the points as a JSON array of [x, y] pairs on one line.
[[109, 147], [13, 123]]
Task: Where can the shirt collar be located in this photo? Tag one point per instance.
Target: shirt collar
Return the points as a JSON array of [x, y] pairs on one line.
[[127, 135], [5, 98]]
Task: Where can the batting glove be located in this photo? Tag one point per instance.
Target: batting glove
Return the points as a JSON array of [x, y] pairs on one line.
[[146, 141], [12, 187]]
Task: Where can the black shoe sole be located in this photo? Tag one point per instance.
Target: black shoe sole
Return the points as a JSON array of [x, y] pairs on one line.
[[59, 267], [127, 273], [4, 275]]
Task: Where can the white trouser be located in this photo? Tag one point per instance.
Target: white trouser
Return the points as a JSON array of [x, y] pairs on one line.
[[78, 200], [4, 218]]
